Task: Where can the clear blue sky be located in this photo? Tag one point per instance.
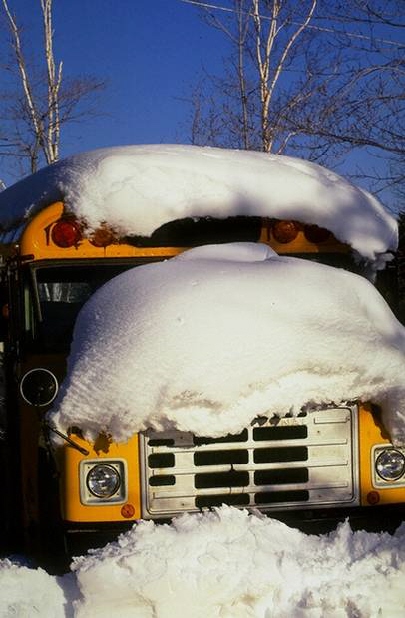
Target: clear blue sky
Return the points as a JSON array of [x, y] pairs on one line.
[[148, 51]]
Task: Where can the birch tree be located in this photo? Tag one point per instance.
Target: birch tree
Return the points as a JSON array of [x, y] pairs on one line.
[[270, 71], [316, 78], [36, 114]]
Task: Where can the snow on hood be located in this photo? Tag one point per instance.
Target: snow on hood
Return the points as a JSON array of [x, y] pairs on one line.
[[136, 189], [210, 339]]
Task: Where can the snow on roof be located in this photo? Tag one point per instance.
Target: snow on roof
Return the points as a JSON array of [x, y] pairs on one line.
[[220, 563], [136, 189], [210, 339]]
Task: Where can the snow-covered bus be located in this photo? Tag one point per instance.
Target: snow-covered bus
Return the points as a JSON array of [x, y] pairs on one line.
[[260, 418]]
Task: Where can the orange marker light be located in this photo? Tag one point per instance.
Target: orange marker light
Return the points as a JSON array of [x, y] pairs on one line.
[[373, 497], [102, 237], [127, 511], [285, 231]]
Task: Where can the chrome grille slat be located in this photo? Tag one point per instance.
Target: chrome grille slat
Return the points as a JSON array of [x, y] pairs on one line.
[[188, 486], [316, 470]]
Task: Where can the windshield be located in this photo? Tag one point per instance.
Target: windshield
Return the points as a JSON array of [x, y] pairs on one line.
[[62, 290]]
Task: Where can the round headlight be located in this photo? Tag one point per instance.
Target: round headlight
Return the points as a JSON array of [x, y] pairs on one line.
[[390, 464], [103, 481]]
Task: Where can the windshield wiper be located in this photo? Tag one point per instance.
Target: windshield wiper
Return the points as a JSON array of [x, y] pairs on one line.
[[79, 448]]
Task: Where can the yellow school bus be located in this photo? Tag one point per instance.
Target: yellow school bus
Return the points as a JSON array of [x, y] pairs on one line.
[[317, 467]]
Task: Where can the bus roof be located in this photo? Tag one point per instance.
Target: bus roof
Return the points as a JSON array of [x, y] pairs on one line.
[[137, 189]]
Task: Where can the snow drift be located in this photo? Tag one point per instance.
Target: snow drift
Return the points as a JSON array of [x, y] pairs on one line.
[[136, 189], [209, 340], [222, 563], [230, 564]]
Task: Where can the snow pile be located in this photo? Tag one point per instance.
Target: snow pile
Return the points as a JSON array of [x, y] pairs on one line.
[[228, 563], [26, 592], [136, 189], [209, 340], [223, 563]]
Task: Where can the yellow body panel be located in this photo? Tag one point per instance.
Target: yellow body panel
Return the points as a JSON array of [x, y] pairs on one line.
[[36, 242], [372, 434], [69, 460]]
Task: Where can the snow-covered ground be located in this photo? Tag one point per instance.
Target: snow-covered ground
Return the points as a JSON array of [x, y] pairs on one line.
[[221, 564]]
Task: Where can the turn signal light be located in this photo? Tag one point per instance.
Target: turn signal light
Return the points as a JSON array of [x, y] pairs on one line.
[[285, 231], [102, 237], [127, 511], [373, 497], [315, 234], [66, 233]]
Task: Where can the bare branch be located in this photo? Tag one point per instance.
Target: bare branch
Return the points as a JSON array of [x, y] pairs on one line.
[[25, 81], [44, 103], [308, 78]]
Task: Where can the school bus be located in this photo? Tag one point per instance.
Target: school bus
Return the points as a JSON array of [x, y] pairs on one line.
[[321, 466]]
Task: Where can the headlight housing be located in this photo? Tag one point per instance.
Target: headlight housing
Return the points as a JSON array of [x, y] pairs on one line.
[[103, 481], [389, 464]]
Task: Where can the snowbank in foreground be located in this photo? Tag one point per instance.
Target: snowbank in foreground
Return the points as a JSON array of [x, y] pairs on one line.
[[207, 341], [26, 592], [136, 189], [224, 563]]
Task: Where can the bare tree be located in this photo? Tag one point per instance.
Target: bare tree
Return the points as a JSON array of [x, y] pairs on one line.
[[270, 71], [319, 78], [43, 104]]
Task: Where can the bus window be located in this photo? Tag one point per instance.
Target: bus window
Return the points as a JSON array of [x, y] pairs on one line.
[[62, 291]]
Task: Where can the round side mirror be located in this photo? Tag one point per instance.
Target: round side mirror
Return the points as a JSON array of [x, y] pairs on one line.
[[39, 387]]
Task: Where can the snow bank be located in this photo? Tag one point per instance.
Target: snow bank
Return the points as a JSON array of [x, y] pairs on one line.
[[136, 189], [222, 563], [228, 563], [207, 341], [26, 592]]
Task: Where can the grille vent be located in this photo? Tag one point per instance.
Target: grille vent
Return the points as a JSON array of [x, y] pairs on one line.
[[284, 463]]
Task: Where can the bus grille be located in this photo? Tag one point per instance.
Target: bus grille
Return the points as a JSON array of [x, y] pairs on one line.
[[276, 464]]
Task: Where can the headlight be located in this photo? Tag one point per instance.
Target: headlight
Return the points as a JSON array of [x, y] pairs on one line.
[[103, 481], [390, 464]]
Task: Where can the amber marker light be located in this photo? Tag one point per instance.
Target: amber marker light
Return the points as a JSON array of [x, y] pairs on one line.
[[102, 237], [285, 231], [373, 497], [127, 511], [66, 233]]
